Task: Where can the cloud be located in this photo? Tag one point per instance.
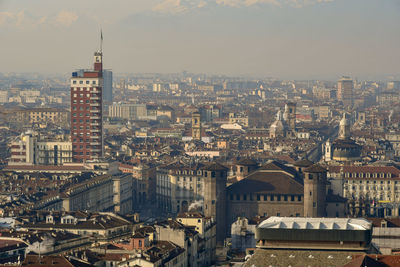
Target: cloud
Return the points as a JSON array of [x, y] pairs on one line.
[[182, 6], [170, 6], [66, 18], [23, 19], [246, 3], [179, 6]]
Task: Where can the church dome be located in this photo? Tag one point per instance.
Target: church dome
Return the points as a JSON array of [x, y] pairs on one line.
[[346, 150]]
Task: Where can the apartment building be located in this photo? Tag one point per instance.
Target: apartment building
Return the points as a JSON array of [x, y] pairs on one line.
[[29, 149]]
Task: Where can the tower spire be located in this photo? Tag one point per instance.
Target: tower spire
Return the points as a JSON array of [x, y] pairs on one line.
[[101, 40]]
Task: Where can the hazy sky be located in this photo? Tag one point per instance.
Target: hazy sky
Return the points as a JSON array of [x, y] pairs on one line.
[[299, 39]]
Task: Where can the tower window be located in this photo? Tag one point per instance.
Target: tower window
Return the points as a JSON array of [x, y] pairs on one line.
[[310, 193]]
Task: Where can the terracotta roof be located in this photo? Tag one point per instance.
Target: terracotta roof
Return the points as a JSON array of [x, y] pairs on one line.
[[44, 167], [267, 183], [315, 168], [364, 260], [303, 163], [247, 162], [36, 260], [277, 166], [391, 222], [215, 166]]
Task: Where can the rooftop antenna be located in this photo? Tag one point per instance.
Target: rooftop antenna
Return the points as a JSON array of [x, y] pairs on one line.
[[101, 40]]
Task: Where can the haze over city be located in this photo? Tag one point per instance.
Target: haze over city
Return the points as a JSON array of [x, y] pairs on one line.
[[292, 39], [197, 133]]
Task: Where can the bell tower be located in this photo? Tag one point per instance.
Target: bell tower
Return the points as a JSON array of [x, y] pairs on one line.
[[196, 126]]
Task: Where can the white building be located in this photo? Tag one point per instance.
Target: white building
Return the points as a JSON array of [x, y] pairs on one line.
[[28, 149]]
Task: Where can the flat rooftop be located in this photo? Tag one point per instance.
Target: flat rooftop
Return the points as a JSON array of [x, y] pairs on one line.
[[316, 223]]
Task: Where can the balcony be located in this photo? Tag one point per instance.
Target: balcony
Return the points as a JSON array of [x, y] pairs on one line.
[[95, 104], [95, 110], [95, 150], [95, 137], [95, 124], [95, 98], [95, 143], [95, 130], [95, 117]]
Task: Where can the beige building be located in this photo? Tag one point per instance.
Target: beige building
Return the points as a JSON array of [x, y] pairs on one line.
[[102, 193], [103, 226], [143, 183], [127, 111], [185, 237], [178, 186], [29, 149], [41, 115], [371, 190], [239, 118], [206, 227]]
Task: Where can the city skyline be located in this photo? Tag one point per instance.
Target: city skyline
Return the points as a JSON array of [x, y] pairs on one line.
[[280, 39]]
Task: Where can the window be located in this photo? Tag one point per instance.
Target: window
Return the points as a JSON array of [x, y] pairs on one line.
[[285, 198], [231, 196], [80, 82], [314, 204], [237, 196], [272, 197], [244, 197], [258, 197], [292, 198], [279, 197], [87, 82]]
